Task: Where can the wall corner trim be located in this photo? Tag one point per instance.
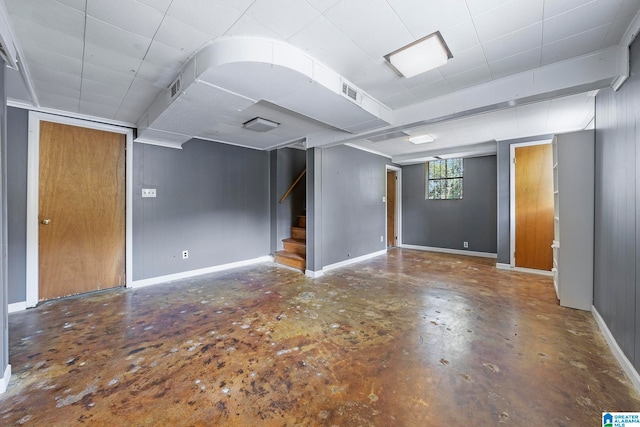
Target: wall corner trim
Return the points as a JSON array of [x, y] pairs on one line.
[[187, 274], [4, 382], [17, 306], [450, 251], [616, 350], [503, 266], [314, 274]]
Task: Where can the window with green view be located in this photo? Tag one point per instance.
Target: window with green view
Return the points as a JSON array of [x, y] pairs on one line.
[[444, 179]]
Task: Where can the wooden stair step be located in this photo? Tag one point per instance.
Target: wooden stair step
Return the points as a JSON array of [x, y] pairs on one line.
[[302, 221], [295, 246], [299, 233], [290, 259]]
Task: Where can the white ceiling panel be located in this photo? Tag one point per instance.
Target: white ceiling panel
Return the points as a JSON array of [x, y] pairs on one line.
[[115, 92], [71, 81], [247, 26], [628, 8], [522, 40], [579, 20], [47, 58], [241, 5], [53, 88], [616, 31], [116, 39], [508, 18], [162, 64], [59, 101], [557, 7], [76, 4], [460, 37], [572, 46], [515, 64], [159, 5], [54, 16], [322, 5], [46, 38], [463, 61], [214, 17], [110, 59], [423, 19], [271, 14], [108, 77], [134, 17], [432, 89], [477, 7], [468, 78], [96, 93], [181, 36], [399, 100], [98, 109]]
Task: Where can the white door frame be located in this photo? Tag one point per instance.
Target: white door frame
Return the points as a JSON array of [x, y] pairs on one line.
[[33, 176], [512, 194], [398, 213]]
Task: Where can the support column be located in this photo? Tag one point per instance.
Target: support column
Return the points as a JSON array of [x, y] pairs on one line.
[[314, 212]]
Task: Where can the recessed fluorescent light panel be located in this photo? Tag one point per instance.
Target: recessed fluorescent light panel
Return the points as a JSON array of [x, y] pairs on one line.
[[420, 56], [421, 139], [259, 124]]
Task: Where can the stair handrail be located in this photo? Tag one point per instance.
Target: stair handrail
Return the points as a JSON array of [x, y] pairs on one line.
[[293, 185]]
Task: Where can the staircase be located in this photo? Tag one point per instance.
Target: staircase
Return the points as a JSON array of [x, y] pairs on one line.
[[295, 247]]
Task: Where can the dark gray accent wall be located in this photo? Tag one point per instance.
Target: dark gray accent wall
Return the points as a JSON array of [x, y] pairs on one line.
[[504, 194], [212, 200], [17, 138], [353, 213], [290, 163], [617, 211], [449, 223]]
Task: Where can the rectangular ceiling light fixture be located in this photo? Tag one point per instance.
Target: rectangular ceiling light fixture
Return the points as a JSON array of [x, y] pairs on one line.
[[420, 56], [259, 124], [421, 139]]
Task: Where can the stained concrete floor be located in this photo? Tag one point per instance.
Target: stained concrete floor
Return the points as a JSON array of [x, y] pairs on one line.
[[406, 339]]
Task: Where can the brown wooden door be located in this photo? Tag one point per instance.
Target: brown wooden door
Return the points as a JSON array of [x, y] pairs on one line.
[[534, 207], [81, 234], [391, 208]]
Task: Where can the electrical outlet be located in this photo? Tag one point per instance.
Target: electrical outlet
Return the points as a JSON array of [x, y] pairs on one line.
[[148, 192], [465, 245], [185, 254]]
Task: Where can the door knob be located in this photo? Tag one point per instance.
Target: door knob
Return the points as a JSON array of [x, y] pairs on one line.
[[45, 221]]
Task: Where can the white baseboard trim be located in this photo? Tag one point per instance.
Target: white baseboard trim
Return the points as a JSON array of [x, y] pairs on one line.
[[502, 266], [4, 382], [320, 273], [187, 274], [616, 350], [450, 251], [17, 306]]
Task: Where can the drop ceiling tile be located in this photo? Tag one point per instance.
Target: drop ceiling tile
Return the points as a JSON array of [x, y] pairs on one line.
[[515, 64], [160, 5], [324, 42], [76, 4], [113, 93], [628, 8], [110, 59], [53, 15], [128, 116], [471, 77], [576, 45], [578, 20], [117, 80], [46, 38], [322, 5], [47, 58], [59, 101], [131, 16], [140, 96], [378, 15], [557, 7], [247, 26], [55, 89], [421, 79], [476, 7], [464, 60], [431, 90], [507, 18], [181, 36], [616, 31], [423, 19], [97, 109], [271, 14], [161, 65], [213, 17], [399, 100], [522, 40], [50, 76], [117, 39], [460, 37]]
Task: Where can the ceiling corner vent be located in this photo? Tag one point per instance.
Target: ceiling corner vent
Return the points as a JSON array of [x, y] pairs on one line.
[[350, 92], [176, 87]]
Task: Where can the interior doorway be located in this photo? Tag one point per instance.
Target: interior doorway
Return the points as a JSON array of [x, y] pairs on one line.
[[394, 206], [57, 239], [532, 206]]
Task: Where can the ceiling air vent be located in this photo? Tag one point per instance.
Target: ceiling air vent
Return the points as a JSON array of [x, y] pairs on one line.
[[349, 91], [175, 87]]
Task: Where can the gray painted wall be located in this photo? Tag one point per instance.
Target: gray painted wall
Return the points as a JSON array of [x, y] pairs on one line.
[[212, 200], [353, 213], [617, 212], [504, 194], [449, 223], [17, 136], [4, 317], [290, 162]]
